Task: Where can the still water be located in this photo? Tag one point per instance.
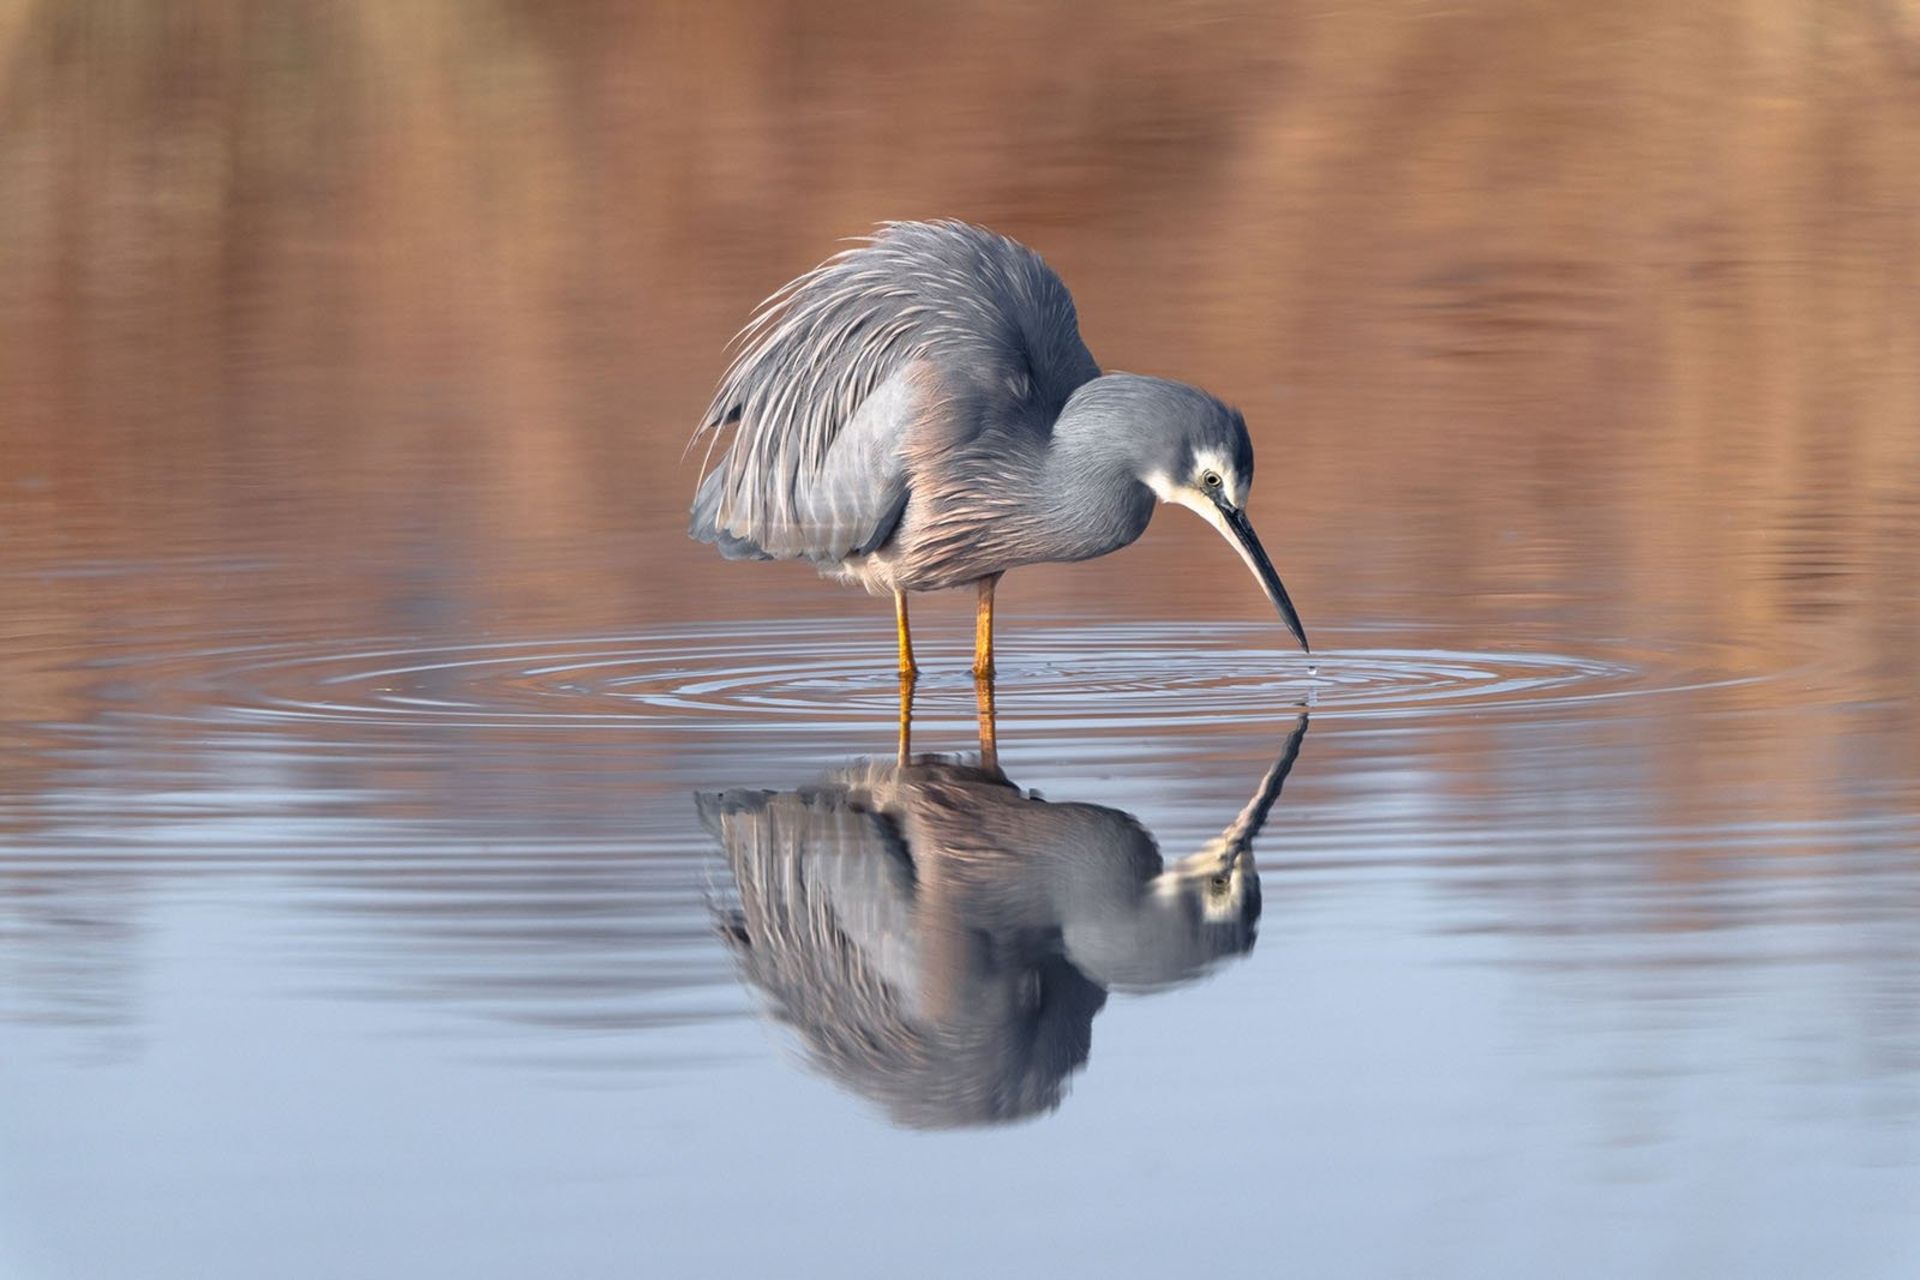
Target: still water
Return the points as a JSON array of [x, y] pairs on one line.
[[417, 859]]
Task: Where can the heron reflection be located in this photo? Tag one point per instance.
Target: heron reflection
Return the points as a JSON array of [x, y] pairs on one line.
[[941, 940]]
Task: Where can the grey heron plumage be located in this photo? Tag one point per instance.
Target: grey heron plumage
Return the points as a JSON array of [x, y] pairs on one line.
[[919, 412]]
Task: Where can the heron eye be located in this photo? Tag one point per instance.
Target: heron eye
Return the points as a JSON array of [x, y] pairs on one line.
[[1219, 884], [1211, 479]]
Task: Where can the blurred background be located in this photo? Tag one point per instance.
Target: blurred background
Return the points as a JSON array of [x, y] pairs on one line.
[[1640, 278], [1580, 330]]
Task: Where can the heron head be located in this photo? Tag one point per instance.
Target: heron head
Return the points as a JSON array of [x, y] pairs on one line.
[[1193, 450]]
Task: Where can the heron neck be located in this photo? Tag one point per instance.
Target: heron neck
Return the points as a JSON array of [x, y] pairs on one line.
[[1095, 499], [1102, 427]]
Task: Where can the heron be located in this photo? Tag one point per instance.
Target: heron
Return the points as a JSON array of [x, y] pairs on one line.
[[919, 413], [941, 940]]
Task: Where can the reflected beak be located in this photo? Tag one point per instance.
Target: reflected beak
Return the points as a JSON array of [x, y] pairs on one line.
[[1237, 529]]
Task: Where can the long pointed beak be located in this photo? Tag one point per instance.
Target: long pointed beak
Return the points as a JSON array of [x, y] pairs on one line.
[[1237, 529]]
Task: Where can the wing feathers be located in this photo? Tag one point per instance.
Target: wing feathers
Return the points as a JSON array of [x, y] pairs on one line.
[[833, 348]]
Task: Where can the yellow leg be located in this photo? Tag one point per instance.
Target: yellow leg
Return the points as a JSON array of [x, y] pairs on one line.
[[907, 668], [989, 739], [983, 631], [906, 720]]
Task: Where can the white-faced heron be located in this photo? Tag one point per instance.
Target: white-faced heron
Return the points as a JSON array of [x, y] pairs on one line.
[[919, 412]]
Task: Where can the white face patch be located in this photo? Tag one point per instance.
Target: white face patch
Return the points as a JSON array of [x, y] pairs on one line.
[[1216, 878], [1187, 491], [1230, 484]]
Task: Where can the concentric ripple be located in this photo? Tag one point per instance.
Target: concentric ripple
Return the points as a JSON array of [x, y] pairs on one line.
[[801, 674]]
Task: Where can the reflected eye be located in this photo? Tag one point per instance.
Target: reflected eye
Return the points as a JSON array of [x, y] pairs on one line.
[[1211, 479], [1219, 884]]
